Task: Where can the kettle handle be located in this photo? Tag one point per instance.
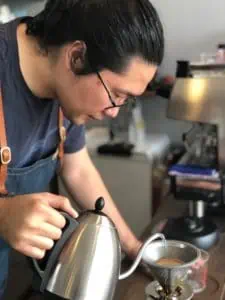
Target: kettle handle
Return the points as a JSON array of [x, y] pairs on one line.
[[69, 228]]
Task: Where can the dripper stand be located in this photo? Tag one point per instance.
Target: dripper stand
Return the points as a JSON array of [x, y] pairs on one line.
[[171, 279], [154, 291]]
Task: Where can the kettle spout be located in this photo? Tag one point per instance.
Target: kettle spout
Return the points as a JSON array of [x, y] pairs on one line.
[[140, 254]]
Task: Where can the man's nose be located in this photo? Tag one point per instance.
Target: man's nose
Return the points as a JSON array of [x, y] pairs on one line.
[[112, 112]]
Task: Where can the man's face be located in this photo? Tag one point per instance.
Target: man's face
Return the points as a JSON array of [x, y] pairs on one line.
[[84, 97]]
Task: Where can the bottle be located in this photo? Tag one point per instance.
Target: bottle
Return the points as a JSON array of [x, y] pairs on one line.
[[220, 54], [136, 133]]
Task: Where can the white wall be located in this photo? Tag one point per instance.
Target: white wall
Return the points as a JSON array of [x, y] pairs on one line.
[[192, 27], [25, 7], [154, 111]]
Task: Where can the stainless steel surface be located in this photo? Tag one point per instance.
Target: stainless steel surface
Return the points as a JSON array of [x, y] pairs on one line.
[[201, 142], [200, 209], [89, 265], [196, 209], [170, 277], [191, 135], [201, 100]]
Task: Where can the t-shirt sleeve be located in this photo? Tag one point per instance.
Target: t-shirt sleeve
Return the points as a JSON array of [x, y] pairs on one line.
[[75, 140]]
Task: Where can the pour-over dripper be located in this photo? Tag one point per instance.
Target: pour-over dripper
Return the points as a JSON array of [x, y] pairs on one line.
[[170, 277]]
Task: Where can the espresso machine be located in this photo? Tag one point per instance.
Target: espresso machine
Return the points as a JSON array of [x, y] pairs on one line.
[[198, 174]]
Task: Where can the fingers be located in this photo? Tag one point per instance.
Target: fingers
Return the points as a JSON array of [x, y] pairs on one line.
[[62, 203], [50, 231], [36, 246], [54, 218], [38, 223], [33, 252], [41, 242], [53, 203]]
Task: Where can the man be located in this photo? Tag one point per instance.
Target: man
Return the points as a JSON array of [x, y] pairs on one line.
[[86, 58]]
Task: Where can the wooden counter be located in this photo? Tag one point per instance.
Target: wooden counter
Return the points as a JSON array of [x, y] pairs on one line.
[[133, 288]]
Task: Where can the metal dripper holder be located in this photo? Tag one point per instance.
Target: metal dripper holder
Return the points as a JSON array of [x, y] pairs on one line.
[[154, 291], [172, 278]]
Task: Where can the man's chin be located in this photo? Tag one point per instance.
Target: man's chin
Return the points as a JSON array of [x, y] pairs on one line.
[[82, 120], [79, 121]]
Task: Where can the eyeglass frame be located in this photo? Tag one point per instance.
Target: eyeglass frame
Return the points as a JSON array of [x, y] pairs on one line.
[[110, 97], [126, 103]]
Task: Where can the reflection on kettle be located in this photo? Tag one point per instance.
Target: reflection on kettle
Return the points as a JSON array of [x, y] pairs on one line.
[[85, 263]]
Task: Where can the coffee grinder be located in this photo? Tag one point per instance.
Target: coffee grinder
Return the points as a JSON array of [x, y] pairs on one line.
[[198, 175]]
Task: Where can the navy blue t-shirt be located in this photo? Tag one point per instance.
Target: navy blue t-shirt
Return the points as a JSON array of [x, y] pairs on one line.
[[31, 122]]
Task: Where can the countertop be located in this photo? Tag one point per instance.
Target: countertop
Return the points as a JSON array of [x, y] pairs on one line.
[[133, 288]]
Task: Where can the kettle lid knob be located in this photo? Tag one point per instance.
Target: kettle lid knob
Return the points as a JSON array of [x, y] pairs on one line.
[[99, 204]]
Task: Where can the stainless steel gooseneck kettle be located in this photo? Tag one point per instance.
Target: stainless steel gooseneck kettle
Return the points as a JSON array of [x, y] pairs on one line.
[[85, 263]]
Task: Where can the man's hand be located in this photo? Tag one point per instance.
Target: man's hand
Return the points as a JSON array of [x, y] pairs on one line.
[[31, 223]]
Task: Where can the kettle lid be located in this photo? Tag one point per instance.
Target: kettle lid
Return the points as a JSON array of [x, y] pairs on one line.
[[99, 205], [96, 216]]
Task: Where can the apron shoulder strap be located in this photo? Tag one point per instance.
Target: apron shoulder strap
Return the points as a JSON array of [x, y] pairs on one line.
[[5, 151]]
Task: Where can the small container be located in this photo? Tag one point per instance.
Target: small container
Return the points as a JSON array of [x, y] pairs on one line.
[[198, 274], [220, 54]]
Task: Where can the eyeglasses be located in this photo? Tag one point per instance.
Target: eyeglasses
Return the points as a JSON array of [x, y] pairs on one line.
[[129, 101]]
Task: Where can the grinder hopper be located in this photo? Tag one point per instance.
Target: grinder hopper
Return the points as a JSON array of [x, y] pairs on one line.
[[171, 277]]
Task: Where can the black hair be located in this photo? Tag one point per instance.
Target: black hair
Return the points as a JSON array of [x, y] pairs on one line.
[[113, 30]]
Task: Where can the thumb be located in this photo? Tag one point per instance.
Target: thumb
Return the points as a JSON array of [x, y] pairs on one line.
[[62, 203]]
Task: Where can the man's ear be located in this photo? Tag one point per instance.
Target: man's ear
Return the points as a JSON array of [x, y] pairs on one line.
[[75, 56]]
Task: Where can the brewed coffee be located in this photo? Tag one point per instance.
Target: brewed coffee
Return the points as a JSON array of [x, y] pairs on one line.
[[169, 262]]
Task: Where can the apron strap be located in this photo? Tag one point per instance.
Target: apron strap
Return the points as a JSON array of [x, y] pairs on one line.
[[5, 151]]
